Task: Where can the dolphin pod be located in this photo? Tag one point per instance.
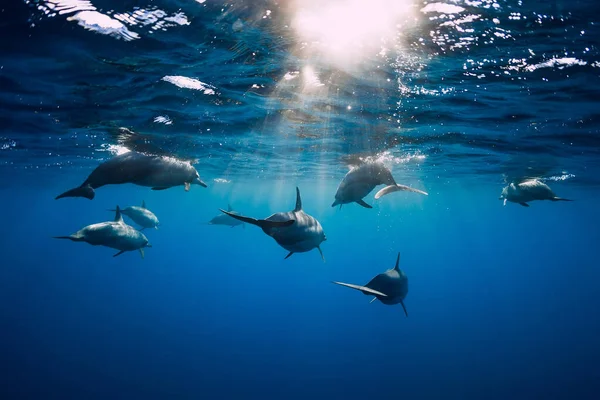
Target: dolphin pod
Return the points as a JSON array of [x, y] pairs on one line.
[[389, 287], [115, 234], [295, 230], [361, 180], [528, 190], [157, 172]]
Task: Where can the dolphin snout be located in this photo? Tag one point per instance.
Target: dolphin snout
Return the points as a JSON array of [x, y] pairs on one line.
[[335, 203]]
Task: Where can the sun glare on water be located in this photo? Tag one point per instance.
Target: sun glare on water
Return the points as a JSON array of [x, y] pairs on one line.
[[346, 30]]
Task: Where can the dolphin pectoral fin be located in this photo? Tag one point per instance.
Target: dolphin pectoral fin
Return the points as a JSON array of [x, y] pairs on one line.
[[159, 188], [142, 253], [119, 253], [82, 191], [504, 202], [524, 204], [263, 223], [362, 203], [143, 203], [404, 307], [321, 253], [363, 289], [288, 256], [374, 298], [139, 230], [397, 188], [156, 227], [187, 186]]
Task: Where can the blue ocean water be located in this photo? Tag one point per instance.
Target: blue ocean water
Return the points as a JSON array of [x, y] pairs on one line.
[[458, 98]]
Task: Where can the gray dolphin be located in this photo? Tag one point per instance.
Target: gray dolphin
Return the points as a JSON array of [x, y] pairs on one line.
[[141, 216], [299, 237], [224, 219], [361, 180], [389, 287], [528, 190], [157, 172], [114, 234]]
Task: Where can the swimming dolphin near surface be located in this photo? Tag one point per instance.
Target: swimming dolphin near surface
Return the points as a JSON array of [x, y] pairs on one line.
[[157, 172], [223, 219], [528, 190], [361, 180], [114, 234], [295, 231], [389, 287], [141, 216]]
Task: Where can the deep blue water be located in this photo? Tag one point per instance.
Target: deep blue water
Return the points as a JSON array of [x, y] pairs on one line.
[[458, 98]]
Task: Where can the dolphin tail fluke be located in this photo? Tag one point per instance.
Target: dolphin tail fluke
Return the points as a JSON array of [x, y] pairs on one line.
[[396, 188], [263, 223], [82, 191], [70, 237], [364, 289], [404, 307], [559, 199]]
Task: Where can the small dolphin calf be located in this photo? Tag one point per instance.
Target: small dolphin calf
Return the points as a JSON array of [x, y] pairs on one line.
[[114, 234], [224, 219], [361, 180], [141, 216], [529, 190], [390, 287], [157, 172], [295, 231]]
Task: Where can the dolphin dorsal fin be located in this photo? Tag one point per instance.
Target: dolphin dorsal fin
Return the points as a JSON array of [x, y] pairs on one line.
[[298, 200], [229, 208], [118, 216], [143, 203], [397, 267]]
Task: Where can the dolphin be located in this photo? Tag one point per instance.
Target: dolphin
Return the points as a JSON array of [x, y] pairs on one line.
[[361, 180], [528, 190], [141, 216], [157, 172], [223, 219], [295, 231], [114, 234], [389, 287]]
